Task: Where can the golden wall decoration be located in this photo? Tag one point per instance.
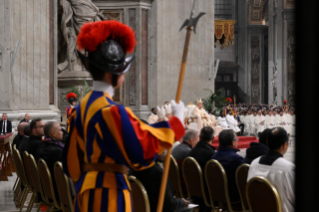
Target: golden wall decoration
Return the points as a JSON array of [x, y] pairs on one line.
[[224, 33]]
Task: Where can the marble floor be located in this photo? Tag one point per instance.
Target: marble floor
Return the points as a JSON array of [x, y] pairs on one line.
[[6, 192]]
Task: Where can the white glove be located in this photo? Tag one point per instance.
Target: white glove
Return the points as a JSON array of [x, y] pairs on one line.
[[178, 110], [160, 113]]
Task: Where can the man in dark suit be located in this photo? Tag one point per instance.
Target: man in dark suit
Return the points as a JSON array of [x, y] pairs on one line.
[[25, 140], [181, 151], [240, 125], [19, 137], [151, 179], [35, 139], [26, 118], [50, 150], [226, 155], [5, 125], [202, 153]]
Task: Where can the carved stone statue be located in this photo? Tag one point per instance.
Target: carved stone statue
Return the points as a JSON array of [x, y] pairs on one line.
[[72, 14]]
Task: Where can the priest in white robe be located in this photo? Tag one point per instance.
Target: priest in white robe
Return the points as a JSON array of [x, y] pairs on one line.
[[217, 128], [292, 123], [260, 122], [222, 121], [279, 171], [253, 124], [269, 120], [283, 122], [153, 117], [276, 119], [232, 122], [249, 123]]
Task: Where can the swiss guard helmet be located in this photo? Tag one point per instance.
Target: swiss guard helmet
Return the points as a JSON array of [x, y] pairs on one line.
[[105, 44], [71, 97]]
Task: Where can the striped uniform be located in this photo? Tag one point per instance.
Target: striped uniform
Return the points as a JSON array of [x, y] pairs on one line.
[[103, 132], [68, 112]]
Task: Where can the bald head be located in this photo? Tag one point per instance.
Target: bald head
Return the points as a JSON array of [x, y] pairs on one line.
[[27, 116], [21, 127]]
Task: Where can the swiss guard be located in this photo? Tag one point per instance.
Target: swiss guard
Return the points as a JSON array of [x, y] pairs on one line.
[[228, 108], [72, 98], [107, 139], [285, 105]]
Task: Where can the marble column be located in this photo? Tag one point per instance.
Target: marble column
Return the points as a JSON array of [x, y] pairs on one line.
[[281, 52], [28, 84]]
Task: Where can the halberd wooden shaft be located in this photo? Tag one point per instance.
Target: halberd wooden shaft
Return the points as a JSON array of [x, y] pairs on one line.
[[177, 99]]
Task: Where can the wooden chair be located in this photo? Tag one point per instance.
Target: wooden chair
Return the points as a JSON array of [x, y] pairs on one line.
[[14, 167], [175, 178], [30, 180], [262, 196], [217, 184], [21, 171], [241, 180], [63, 185], [18, 183], [48, 190], [194, 180], [36, 181], [139, 196]]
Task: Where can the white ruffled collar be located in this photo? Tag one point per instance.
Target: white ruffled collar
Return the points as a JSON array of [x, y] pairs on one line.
[[103, 87]]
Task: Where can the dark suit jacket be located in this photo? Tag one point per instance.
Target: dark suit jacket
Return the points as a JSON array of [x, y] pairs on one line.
[[50, 153], [8, 125], [23, 145], [202, 153], [180, 152], [17, 140], [23, 120], [230, 161], [33, 144], [254, 151], [151, 179]]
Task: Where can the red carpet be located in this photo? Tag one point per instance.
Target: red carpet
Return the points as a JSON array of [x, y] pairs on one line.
[[243, 142]]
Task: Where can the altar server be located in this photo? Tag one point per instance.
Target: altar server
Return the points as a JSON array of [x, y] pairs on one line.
[[153, 117], [222, 121]]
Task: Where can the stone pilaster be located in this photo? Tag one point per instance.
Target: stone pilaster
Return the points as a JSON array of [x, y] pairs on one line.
[[26, 84]]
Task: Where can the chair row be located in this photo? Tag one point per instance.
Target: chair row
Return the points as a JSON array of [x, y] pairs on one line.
[[36, 178], [253, 194]]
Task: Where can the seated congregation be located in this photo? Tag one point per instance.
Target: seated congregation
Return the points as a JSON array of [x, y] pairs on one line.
[[207, 176]]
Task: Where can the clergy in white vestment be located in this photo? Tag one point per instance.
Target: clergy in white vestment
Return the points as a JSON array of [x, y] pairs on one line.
[[168, 111], [260, 122], [222, 121], [279, 171], [253, 123], [217, 128], [232, 122], [292, 123], [276, 119], [269, 120], [153, 117], [201, 115], [249, 123], [283, 122]]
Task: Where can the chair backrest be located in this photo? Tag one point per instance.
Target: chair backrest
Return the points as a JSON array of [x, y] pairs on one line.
[[216, 182], [63, 185], [175, 178], [27, 169], [139, 196], [20, 168], [35, 175], [194, 179], [262, 196], [241, 180], [47, 184]]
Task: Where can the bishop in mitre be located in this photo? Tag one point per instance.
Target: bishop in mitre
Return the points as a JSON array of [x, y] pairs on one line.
[[201, 115]]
